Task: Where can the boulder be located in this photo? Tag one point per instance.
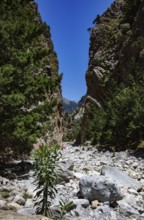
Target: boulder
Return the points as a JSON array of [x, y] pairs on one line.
[[120, 178], [19, 199], [27, 211], [78, 175], [66, 165], [142, 217], [29, 203], [13, 206], [99, 188], [64, 170], [128, 211], [3, 204], [64, 175]]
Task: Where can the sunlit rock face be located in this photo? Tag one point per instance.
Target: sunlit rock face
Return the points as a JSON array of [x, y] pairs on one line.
[[103, 47], [116, 49]]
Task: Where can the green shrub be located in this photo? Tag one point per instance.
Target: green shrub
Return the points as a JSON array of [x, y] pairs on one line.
[[131, 9], [64, 206], [27, 196], [125, 27], [120, 123], [119, 36], [4, 194]]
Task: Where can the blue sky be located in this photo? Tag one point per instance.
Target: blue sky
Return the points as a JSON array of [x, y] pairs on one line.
[[69, 21]]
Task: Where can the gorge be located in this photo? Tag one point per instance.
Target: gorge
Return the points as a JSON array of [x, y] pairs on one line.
[[101, 138]]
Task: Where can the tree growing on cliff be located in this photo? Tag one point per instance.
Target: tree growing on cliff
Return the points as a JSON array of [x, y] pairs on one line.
[[25, 87], [119, 122], [97, 19]]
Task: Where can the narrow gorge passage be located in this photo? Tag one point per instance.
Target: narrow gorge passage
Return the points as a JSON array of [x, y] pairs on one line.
[[72, 160]]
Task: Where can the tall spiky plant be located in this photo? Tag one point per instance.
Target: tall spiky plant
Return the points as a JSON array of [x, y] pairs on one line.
[[46, 158]]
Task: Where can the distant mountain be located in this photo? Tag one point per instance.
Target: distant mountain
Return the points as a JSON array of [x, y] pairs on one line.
[[69, 106]]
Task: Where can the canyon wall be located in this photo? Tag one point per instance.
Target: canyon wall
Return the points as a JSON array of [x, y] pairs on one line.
[[116, 65]]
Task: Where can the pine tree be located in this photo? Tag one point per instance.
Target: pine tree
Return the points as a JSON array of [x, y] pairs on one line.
[[25, 86]]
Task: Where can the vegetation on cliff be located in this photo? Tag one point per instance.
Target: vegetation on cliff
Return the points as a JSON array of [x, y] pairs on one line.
[[28, 75], [72, 121], [114, 114]]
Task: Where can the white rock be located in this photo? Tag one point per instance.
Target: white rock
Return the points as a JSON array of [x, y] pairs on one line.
[[93, 172], [3, 181], [135, 165], [29, 203], [13, 206], [127, 210], [83, 202], [95, 204], [132, 191], [120, 177], [27, 211], [78, 175], [130, 199], [113, 215], [19, 199], [3, 204], [30, 193]]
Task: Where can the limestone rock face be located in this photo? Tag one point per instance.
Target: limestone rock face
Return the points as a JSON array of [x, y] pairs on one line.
[[102, 52], [102, 60], [116, 49]]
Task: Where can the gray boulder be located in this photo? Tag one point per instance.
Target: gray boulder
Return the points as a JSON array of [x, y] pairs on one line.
[[120, 178], [19, 199], [3, 204], [29, 203], [27, 211], [128, 210], [64, 170], [64, 176], [142, 217], [66, 165], [99, 188]]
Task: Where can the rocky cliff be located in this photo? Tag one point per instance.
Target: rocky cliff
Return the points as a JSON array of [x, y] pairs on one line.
[[102, 52], [115, 71], [52, 68]]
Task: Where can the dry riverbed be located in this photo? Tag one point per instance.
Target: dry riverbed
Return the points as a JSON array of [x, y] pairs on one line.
[[102, 187]]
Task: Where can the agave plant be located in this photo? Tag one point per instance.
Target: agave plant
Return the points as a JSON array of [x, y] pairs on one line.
[[64, 206], [46, 158]]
